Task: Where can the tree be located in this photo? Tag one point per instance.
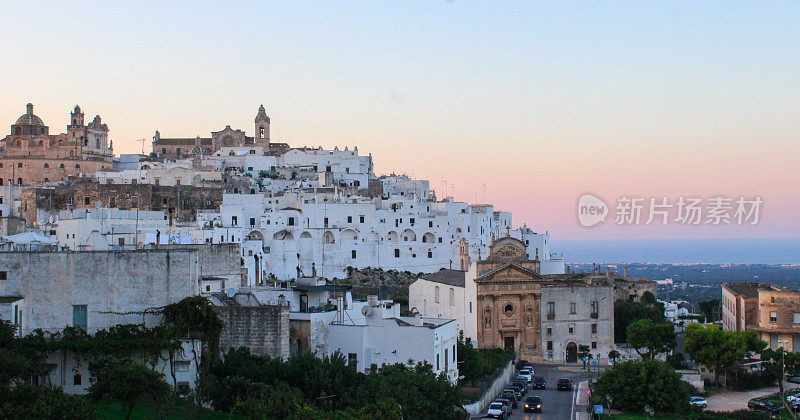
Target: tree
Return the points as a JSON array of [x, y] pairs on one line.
[[127, 382], [655, 338], [715, 348], [26, 401], [632, 385], [627, 311], [613, 354], [420, 392]]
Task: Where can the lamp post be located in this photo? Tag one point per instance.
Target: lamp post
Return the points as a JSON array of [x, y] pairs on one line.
[[783, 377]]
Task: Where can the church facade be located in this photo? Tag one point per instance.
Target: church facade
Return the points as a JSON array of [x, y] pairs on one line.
[[509, 290], [540, 317]]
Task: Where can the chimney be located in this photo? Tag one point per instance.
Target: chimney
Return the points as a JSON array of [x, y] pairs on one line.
[[372, 300], [340, 309], [626, 272]]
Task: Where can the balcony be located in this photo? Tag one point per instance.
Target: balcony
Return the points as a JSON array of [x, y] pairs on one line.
[[551, 315], [594, 315]]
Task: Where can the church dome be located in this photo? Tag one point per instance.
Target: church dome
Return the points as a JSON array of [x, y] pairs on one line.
[[29, 118]]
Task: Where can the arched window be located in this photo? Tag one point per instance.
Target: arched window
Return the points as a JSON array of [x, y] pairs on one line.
[[436, 294], [19, 165], [19, 181], [46, 165], [61, 166], [47, 180], [77, 166]]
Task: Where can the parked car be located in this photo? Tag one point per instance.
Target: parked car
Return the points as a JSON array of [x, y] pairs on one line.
[[760, 404], [698, 401], [511, 396], [538, 383], [520, 388], [564, 384], [533, 404], [527, 374], [496, 410], [507, 403], [522, 384]]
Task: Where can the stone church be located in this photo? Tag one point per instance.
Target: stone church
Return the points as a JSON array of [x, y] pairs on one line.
[[544, 317], [509, 289], [182, 147], [29, 154]]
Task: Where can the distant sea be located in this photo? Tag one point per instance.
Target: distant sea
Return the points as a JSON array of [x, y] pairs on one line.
[[680, 251]]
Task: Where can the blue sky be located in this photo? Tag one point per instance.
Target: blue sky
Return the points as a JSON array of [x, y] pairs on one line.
[[539, 101]]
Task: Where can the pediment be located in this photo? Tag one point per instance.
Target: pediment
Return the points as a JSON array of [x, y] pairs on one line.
[[509, 273]]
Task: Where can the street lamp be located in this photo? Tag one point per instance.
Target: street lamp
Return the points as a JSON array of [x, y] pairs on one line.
[[783, 377]]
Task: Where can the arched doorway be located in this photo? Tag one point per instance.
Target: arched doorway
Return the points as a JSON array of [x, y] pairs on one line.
[[572, 353]]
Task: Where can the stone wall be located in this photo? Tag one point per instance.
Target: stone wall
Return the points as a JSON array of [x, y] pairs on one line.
[[111, 284], [178, 201], [264, 329]]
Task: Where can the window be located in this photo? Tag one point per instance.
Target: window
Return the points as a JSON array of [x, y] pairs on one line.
[[430, 254], [87, 200], [437, 361], [252, 221], [397, 252], [594, 328], [177, 181], [121, 241], [549, 346], [163, 150], [361, 219], [326, 222], [594, 344], [595, 309], [573, 308], [182, 365], [470, 307], [234, 220], [3, 275], [291, 223], [352, 360], [571, 329], [349, 219], [551, 310], [452, 297], [112, 202], [353, 254], [134, 202], [178, 151], [158, 181], [796, 317], [436, 294], [79, 316], [76, 380], [773, 317], [549, 330]]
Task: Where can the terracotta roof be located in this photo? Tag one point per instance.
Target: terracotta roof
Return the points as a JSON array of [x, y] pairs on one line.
[[448, 277]]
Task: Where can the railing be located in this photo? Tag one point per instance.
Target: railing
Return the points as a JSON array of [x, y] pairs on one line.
[[551, 316], [594, 315]]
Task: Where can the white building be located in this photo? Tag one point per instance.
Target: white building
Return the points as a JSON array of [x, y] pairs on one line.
[[402, 185], [292, 234], [384, 340], [442, 294], [167, 173], [105, 228]]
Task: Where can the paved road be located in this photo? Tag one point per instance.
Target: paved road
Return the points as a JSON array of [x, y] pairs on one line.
[[557, 405]]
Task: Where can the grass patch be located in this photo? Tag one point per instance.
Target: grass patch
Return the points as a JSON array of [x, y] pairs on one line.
[[177, 409]]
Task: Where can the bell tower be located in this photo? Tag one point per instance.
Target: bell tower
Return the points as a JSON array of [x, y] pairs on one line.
[[76, 117], [262, 128]]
